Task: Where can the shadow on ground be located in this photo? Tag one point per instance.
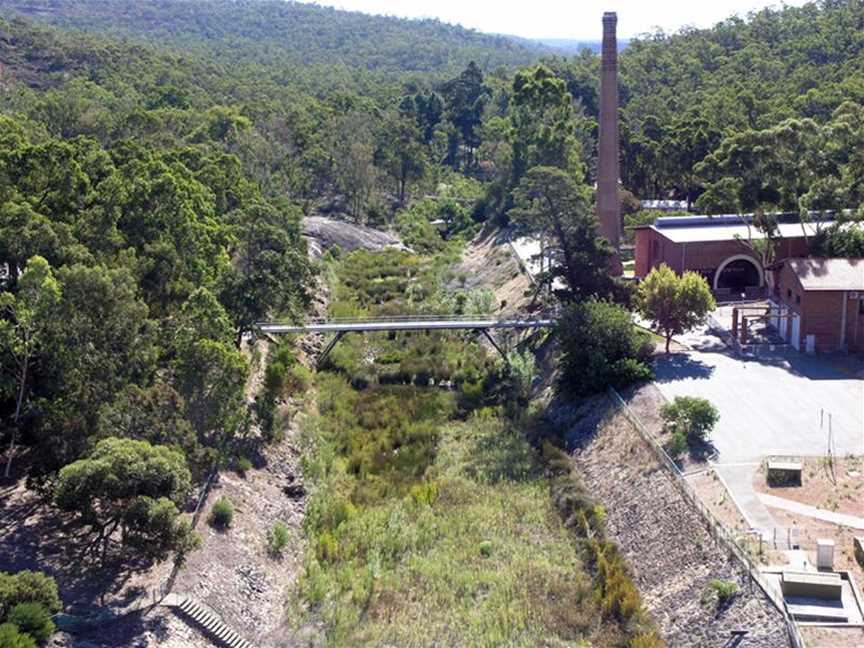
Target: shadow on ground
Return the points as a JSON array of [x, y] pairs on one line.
[[35, 535], [677, 366]]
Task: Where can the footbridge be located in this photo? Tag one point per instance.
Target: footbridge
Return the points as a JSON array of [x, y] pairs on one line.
[[480, 323]]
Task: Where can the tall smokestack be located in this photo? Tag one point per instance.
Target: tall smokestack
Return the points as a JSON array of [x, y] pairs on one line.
[[608, 202]]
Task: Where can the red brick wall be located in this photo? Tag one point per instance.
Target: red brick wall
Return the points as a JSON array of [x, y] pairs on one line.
[[702, 257], [652, 249], [643, 250], [822, 314], [855, 325]]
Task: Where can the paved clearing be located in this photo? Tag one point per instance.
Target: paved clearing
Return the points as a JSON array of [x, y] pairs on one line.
[[768, 405]]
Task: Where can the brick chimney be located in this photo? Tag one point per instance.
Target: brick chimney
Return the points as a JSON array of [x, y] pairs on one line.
[[608, 201]]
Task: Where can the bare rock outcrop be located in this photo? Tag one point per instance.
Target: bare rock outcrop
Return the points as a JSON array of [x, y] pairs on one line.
[[323, 233]]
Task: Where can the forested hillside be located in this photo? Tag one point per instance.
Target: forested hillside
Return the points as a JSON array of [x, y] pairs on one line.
[[777, 94], [187, 163], [173, 167], [279, 33], [156, 162]]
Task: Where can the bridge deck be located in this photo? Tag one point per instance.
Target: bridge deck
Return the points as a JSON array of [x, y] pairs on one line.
[[408, 324]]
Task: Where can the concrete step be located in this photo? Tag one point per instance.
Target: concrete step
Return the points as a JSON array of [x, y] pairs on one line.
[[214, 628]]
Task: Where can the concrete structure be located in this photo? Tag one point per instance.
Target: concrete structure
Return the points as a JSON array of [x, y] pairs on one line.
[[784, 473], [770, 406], [812, 585], [822, 304], [715, 246], [214, 627], [825, 554], [608, 201], [664, 205]]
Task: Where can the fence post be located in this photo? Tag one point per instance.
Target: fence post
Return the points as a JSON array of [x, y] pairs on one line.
[[716, 528]]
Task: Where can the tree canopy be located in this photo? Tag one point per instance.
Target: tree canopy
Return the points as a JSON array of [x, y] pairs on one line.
[[133, 487], [674, 303]]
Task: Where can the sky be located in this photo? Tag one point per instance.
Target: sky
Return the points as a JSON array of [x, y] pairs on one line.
[[576, 19]]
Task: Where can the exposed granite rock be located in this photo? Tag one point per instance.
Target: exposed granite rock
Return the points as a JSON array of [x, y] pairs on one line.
[[324, 233]]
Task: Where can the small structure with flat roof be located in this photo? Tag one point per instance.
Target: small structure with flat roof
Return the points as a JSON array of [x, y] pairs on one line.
[[816, 585], [784, 472]]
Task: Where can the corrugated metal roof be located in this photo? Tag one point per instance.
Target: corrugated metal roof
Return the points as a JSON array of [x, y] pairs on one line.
[[703, 233], [829, 274]]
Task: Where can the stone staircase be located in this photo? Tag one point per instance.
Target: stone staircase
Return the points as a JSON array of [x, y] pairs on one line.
[[208, 621]]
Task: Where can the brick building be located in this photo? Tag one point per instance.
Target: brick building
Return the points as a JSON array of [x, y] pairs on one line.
[[822, 304], [714, 246]]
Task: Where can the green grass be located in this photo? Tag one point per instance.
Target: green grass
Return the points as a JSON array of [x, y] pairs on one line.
[[430, 520], [485, 561]]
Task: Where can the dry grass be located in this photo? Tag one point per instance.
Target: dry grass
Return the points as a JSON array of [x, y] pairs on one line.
[[818, 486], [833, 637], [713, 494], [487, 563]]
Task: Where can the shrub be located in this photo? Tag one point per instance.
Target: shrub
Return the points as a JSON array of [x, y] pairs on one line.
[[690, 416], [646, 640], [677, 444], [243, 466], [11, 637], [328, 548], [485, 548], [27, 587], [601, 348], [416, 231], [424, 493], [222, 513], [33, 619], [674, 303], [277, 538], [619, 598], [725, 590]]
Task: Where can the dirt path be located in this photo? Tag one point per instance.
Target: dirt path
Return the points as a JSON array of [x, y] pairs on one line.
[[233, 573]]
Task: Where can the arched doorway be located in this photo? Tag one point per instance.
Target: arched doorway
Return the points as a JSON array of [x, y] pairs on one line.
[[738, 273]]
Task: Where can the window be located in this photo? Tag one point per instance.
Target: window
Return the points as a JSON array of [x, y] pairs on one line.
[[789, 293], [797, 299], [861, 306]]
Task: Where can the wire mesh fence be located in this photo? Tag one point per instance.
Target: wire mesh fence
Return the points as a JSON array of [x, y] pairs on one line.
[[728, 540]]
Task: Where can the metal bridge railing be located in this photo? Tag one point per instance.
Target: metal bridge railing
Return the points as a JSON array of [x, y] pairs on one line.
[[397, 319]]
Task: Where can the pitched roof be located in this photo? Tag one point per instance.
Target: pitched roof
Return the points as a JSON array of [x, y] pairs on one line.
[[829, 274]]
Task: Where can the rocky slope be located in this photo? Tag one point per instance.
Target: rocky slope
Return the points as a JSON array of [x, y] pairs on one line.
[[663, 537]]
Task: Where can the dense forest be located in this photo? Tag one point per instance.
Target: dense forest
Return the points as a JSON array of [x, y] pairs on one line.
[[157, 160], [779, 77], [285, 34]]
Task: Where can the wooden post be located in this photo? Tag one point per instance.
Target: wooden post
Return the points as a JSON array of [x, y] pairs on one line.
[[734, 322], [743, 331]]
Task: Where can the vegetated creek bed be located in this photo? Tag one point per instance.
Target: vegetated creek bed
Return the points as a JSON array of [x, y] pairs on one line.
[[430, 520]]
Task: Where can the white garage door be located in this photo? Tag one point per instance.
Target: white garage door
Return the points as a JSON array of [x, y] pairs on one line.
[[796, 332], [775, 315]]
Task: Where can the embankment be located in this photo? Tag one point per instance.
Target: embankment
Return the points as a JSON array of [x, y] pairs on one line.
[[664, 539]]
